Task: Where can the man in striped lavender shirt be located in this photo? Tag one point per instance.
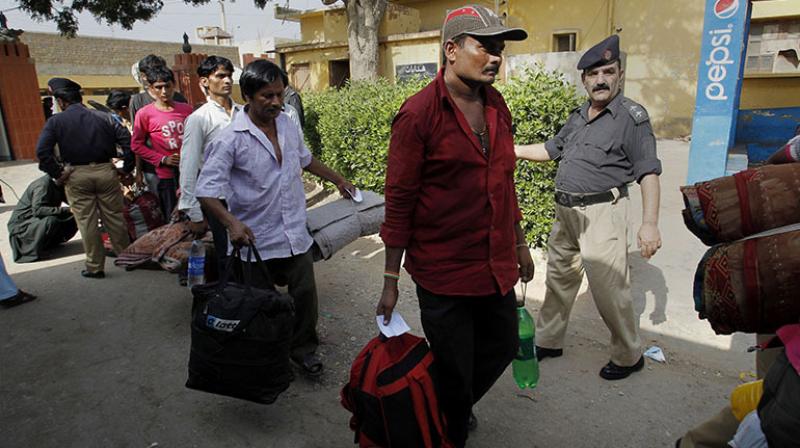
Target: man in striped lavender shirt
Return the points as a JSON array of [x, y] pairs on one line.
[[256, 164]]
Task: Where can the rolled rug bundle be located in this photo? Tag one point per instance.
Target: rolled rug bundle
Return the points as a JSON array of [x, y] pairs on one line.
[[750, 285], [733, 207]]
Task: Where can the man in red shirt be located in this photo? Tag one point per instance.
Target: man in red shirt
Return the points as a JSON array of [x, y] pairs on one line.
[[451, 207]]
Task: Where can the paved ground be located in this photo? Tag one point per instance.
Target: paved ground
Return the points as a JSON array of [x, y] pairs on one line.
[[102, 363]]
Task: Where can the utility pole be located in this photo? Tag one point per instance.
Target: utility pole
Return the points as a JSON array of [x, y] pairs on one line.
[[224, 23]]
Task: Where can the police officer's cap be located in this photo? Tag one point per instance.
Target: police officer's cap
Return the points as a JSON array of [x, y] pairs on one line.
[[56, 84], [603, 53]]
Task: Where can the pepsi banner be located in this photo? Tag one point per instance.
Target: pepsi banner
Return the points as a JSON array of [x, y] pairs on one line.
[[719, 84]]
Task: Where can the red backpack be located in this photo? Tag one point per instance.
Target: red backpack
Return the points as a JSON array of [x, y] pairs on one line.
[[392, 396]]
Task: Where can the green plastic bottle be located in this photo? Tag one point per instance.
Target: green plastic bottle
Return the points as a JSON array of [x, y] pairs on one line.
[[525, 365]]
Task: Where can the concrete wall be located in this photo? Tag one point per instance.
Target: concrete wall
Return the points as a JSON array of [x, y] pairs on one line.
[[775, 9], [766, 91], [661, 65], [432, 13], [318, 64], [661, 40], [99, 57], [334, 24], [419, 51], [399, 19], [312, 28]]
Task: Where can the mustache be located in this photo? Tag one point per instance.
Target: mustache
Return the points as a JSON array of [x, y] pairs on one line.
[[600, 87], [492, 68]]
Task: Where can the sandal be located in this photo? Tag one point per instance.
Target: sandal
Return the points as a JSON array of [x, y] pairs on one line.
[[310, 364], [19, 299]]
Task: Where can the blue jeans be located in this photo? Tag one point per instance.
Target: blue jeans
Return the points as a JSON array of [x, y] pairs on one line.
[[8, 289]]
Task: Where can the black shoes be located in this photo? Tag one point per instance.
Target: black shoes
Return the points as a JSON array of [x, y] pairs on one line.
[[98, 274], [542, 353], [472, 423], [613, 372], [19, 299]]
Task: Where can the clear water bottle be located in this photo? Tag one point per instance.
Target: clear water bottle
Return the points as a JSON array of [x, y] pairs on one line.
[[525, 365], [197, 264]]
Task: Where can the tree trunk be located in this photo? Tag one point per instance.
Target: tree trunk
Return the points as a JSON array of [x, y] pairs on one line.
[[363, 20]]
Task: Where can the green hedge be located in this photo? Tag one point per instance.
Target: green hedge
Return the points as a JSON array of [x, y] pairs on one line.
[[540, 102], [349, 130]]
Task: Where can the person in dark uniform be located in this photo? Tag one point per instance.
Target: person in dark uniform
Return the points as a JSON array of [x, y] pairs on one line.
[[87, 140], [39, 222], [605, 144]]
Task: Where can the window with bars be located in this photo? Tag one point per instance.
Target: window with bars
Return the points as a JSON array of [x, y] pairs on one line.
[[565, 41]]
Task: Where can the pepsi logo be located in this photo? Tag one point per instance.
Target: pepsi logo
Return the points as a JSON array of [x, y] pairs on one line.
[[725, 9]]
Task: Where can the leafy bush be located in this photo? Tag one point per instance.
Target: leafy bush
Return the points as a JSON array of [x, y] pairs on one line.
[[540, 102], [349, 130]]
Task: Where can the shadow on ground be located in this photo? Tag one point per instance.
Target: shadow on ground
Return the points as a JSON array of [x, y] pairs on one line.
[[103, 363]]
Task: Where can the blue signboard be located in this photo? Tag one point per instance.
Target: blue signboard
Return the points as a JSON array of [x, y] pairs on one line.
[[719, 85]]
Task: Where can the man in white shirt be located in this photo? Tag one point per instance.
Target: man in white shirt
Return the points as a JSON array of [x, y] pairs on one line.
[[199, 129]]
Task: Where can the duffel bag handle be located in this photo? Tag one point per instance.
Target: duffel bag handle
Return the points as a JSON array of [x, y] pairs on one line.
[[246, 267], [248, 275]]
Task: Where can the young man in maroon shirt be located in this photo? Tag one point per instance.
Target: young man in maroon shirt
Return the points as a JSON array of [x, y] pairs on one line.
[[451, 207]]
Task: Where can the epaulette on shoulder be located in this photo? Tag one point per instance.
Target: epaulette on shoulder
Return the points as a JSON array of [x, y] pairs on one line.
[[636, 111]]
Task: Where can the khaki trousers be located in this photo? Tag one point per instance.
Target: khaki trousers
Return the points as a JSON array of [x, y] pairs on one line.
[[93, 192], [716, 432], [591, 239]]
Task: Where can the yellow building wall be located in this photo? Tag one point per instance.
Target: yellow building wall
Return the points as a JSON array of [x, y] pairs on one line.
[[764, 91], [318, 64], [768, 93], [415, 52], [399, 19], [432, 13], [335, 25], [775, 9], [541, 18], [661, 40], [312, 28], [661, 64], [662, 57]]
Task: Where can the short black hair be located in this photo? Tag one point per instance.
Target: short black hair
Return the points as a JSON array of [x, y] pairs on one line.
[[259, 73], [151, 61], [118, 100], [159, 73], [210, 65], [69, 96]]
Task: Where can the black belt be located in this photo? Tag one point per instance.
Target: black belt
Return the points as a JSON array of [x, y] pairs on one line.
[[89, 163], [584, 199]]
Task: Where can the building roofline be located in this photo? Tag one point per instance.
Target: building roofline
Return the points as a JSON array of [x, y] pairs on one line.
[[176, 42], [294, 48]]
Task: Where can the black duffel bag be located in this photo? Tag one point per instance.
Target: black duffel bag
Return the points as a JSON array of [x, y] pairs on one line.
[[240, 337]]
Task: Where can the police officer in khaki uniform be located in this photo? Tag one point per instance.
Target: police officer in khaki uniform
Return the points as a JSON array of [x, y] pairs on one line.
[[606, 144]]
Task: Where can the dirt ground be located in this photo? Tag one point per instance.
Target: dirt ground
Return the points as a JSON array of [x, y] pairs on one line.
[[102, 363]]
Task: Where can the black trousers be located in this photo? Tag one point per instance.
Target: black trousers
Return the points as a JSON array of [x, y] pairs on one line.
[[167, 196], [473, 339], [298, 273], [220, 234]]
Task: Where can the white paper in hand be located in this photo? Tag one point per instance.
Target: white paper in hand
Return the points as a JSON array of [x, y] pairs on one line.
[[356, 196], [396, 327]]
